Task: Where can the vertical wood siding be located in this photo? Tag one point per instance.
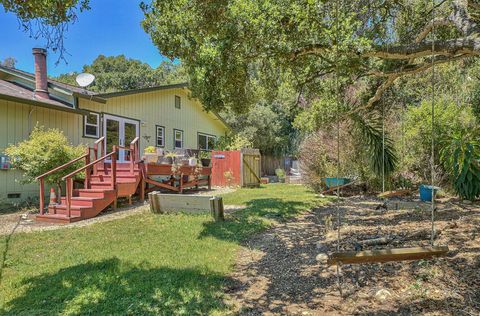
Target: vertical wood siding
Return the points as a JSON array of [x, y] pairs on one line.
[[158, 108], [151, 109], [16, 122]]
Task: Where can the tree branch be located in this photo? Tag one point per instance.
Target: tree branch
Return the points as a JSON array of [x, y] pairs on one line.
[[393, 76]]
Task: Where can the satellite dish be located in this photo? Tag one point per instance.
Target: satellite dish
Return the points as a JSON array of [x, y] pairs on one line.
[[84, 79]]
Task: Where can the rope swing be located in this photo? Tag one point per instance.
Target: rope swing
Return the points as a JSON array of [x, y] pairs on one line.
[[390, 254], [432, 158], [337, 92]]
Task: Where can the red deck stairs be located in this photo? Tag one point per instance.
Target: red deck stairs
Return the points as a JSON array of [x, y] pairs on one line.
[[104, 183]]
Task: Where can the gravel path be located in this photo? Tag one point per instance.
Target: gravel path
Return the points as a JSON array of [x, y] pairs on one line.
[[24, 222], [280, 272]]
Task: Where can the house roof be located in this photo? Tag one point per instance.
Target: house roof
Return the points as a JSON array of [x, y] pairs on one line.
[[65, 86], [17, 93]]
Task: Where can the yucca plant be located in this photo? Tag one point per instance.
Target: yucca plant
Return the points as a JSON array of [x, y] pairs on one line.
[[369, 128], [460, 157]]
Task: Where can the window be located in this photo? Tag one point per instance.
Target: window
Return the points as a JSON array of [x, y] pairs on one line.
[[91, 125], [14, 195], [206, 142], [178, 102], [178, 138], [160, 136]]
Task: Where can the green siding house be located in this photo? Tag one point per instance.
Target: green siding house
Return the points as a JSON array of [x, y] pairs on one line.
[[164, 116]]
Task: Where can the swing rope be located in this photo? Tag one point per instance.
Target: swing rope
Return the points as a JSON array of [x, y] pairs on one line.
[[432, 158], [337, 92], [392, 254]]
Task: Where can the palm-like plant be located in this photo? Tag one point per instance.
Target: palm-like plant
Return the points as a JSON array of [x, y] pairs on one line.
[[380, 150], [460, 156]]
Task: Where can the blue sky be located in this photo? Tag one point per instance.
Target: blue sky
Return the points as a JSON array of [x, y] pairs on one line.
[[111, 27]]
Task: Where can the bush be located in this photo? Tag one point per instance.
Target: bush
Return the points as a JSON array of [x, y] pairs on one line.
[[280, 173], [43, 151], [150, 150], [233, 142], [450, 119], [460, 156], [317, 159]]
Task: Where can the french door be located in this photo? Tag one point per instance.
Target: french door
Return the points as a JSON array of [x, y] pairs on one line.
[[119, 131]]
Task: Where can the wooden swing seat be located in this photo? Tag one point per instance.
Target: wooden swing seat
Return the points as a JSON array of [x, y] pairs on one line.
[[386, 255]]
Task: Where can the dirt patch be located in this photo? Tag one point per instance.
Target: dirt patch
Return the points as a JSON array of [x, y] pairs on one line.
[[281, 272]]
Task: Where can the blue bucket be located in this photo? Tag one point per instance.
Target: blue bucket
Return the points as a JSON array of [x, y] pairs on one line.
[[426, 192], [333, 182]]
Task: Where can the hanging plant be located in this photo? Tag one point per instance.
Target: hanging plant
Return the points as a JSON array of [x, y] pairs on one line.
[[460, 156]]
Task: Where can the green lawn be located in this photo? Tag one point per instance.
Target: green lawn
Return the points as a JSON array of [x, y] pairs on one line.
[[143, 264]]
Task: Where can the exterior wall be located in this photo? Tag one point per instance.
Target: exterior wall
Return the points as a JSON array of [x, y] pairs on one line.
[[16, 122], [158, 108], [150, 109]]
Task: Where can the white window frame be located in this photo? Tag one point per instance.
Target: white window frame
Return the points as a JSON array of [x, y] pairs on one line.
[[175, 138], [97, 126], [179, 102], [162, 138], [207, 136]]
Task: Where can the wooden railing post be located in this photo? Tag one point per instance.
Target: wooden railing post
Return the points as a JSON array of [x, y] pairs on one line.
[[95, 156], [137, 151], [68, 196], [114, 167], [95, 151], [42, 195], [132, 158], [87, 171]]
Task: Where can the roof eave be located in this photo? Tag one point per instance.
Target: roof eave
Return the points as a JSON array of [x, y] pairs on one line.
[[95, 98], [143, 90], [42, 104]]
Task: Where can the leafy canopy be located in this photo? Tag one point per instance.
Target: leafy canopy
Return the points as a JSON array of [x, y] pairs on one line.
[[230, 46], [46, 18], [119, 73]]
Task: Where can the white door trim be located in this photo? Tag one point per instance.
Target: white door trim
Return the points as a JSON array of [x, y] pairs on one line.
[[121, 132]]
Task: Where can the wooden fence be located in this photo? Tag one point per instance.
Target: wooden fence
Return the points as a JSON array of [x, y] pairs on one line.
[[236, 167], [270, 163]]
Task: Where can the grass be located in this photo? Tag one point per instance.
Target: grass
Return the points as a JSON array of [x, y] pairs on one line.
[[143, 264]]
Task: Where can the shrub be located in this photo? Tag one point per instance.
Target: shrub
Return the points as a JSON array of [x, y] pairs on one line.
[[450, 119], [280, 173], [150, 150], [43, 151], [460, 156], [317, 159], [233, 142]]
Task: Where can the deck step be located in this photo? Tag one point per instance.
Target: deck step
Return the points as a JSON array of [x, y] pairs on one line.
[[92, 193], [88, 203], [81, 201], [57, 218], [109, 183], [108, 177]]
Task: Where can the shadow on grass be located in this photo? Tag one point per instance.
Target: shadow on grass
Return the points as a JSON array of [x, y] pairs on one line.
[[114, 287], [258, 215]]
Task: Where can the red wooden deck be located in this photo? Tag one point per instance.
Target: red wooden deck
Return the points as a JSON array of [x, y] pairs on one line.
[[104, 183], [178, 180]]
